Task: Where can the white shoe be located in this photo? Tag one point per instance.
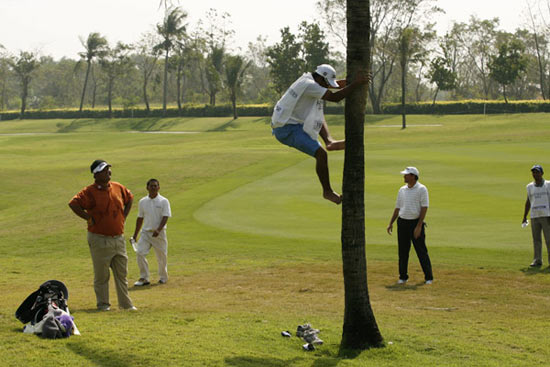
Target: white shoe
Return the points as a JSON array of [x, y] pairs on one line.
[[428, 282], [402, 281], [133, 308], [141, 282]]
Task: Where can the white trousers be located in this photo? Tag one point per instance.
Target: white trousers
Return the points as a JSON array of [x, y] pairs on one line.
[[160, 245]]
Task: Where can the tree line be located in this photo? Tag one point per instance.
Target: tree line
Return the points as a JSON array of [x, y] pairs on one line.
[[175, 65]]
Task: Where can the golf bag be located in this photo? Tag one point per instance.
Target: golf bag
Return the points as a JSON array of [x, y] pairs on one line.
[[35, 306], [46, 313]]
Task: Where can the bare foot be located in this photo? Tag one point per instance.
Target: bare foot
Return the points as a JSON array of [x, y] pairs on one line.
[[332, 196]]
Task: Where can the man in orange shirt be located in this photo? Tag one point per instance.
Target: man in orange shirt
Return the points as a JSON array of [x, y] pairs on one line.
[[105, 206]]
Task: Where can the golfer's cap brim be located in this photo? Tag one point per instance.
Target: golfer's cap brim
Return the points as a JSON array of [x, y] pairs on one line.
[[100, 167]]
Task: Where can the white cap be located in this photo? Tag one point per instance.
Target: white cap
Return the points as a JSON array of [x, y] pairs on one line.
[[328, 72], [410, 170]]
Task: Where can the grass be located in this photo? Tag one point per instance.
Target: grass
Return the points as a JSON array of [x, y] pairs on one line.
[[255, 250]]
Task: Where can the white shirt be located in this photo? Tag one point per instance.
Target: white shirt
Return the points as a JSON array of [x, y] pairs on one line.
[[152, 211], [301, 104], [410, 200], [539, 197]]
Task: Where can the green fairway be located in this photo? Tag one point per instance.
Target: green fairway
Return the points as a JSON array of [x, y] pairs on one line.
[[254, 249]]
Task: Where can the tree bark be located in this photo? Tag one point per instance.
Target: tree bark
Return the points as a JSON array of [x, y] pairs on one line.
[[360, 330], [85, 84], [165, 86]]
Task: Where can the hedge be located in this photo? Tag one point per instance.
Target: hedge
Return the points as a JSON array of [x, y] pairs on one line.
[[426, 108]]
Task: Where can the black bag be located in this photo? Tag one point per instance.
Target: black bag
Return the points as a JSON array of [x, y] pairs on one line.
[[35, 306]]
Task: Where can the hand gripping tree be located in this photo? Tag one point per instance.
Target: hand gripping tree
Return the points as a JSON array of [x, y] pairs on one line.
[[360, 330]]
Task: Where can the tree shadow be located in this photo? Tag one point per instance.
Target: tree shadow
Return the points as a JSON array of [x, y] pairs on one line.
[[530, 271], [222, 127], [103, 357], [75, 125], [404, 287], [249, 361]]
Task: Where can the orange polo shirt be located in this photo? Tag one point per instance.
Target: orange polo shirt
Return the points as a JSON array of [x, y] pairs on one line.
[[106, 206]]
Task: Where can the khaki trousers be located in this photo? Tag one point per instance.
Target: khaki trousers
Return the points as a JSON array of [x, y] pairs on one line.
[[109, 252], [538, 225], [160, 245]]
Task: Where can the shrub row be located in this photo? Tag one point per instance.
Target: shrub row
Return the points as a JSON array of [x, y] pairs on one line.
[[468, 107], [427, 108]]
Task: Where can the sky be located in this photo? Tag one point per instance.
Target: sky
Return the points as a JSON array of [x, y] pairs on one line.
[[53, 27]]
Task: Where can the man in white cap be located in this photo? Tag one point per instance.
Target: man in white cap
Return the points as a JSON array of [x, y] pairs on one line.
[[538, 201], [298, 118], [410, 210]]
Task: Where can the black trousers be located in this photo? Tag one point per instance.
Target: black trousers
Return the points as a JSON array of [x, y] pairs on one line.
[[405, 235]]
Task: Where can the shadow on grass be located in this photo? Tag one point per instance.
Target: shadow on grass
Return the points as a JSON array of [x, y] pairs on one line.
[[245, 361], [137, 288], [102, 357], [404, 287], [222, 127], [535, 270]]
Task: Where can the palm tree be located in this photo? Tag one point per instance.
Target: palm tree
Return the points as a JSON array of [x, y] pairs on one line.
[[24, 65], [172, 31], [114, 63], [360, 330], [95, 46], [235, 67]]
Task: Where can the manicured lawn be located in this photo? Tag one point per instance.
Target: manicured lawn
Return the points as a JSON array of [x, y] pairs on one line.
[[254, 249]]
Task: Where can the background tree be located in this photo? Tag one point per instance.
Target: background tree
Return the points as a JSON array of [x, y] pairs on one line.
[[314, 46], [506, 66], [441, 75], [114, 63], [284, 59], [360, 330], [24, 66], [95, 46], [4, 73], [235, 67], [146, 59], [171, 31]]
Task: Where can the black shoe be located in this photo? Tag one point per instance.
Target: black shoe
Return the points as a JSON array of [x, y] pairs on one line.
[[536, 264]]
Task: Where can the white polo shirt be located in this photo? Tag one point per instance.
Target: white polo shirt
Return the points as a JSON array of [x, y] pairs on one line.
[[411, 200], [152, 211], [539, 197]]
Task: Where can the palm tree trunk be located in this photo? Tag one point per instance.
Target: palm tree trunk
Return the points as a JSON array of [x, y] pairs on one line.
[[145, 98], [85, 84], [435, 96], [24, 94], [110, 98], [165, 86], [234, 104], [504, 93], [403, 93], [360, 330]]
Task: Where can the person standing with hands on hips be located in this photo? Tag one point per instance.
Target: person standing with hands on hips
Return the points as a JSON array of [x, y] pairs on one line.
[[538, 201], [410, 210], [154, 211], [105, 205]]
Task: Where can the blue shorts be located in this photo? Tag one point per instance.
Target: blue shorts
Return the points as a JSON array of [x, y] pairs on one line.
[[294, 136]]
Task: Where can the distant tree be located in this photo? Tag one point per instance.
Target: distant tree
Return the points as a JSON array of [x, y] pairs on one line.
[[96, 46], [214, 68], [172, 31], [146, 59], [235, 67], [541, 48], [114, 63], [441, 75], [360, 330], [4, 69], [506, 66], [411, 50], [285, 61], [314, 45], [24, 66]]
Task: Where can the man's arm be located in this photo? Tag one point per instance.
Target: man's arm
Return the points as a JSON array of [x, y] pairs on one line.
[[78, 210], [360, 79], [127, 208], [139, 223], [161, 226], [526, 211], [418, 229], [393, 218]]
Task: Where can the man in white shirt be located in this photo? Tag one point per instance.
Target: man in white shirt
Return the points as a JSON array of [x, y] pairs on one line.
[[411, 208], [298, 118], [154, 211], [538, 201]]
